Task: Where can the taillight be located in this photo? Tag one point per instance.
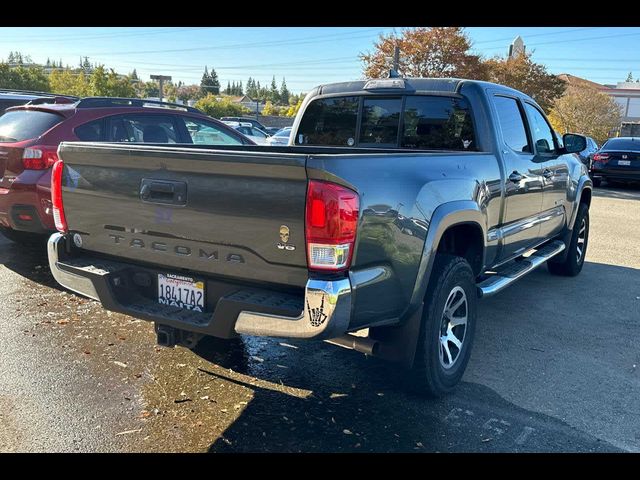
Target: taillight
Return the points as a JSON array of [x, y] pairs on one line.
[[330, 227], [39, 157], [601, 157], [56, 197]]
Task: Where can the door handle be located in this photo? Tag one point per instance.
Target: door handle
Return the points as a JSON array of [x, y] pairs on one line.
[[546, 173], [515, 177]]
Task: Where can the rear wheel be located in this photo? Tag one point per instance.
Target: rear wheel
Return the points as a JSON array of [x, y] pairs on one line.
[[577, 248], [448, 327], [23, 238]]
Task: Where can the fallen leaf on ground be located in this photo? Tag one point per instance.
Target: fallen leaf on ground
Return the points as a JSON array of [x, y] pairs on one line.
[[62, 321], [126, 432], [87, 352], [145, 414]]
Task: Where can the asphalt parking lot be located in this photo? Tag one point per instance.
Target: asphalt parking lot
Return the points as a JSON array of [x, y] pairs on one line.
[[554, 368]]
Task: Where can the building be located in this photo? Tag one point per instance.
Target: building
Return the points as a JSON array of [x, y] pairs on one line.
[[248, 102], [516, 48]]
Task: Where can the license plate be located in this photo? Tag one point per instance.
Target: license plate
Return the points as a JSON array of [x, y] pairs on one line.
[[624, 163], [182, 292]]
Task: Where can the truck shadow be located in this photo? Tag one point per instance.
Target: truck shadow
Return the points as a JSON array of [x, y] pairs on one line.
[[357, 403], [361, 406]]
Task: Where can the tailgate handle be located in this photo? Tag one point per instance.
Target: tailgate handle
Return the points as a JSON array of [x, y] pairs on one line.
[[166, 192]]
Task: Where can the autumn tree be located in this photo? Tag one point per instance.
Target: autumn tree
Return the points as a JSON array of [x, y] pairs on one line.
[[425, 52], [587, 111], [527, 76]]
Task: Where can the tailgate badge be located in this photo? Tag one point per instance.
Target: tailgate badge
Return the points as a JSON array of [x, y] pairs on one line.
[[77, 240], [284, 237], [624, 157]]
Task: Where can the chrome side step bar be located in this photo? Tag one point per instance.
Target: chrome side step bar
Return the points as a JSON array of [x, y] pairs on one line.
[[513, 271]]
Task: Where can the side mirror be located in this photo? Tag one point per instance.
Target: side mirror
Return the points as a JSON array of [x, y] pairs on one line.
[[574, 143]]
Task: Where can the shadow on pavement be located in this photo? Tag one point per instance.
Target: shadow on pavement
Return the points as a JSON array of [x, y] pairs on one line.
[[619, 191], [29, 261]]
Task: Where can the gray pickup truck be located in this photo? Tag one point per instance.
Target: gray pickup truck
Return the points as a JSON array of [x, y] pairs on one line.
[[397, 205]]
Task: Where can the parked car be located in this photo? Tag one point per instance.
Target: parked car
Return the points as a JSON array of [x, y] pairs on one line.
[[11, 98], [245, 128], [281, 137], [401, 203], [617, 161], [254, 123], [586, 155], [30, 134]]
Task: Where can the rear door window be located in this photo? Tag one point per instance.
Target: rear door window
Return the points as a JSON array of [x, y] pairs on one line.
[[437, 123], [512, 124], [380, 122], [329, 121], [21, 125], [142, 129], [90, 132]]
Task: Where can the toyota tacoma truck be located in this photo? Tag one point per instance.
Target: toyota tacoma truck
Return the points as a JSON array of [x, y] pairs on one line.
[[396, 206]]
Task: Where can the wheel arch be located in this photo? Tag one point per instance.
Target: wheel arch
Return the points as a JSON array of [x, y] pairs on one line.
[[462, 226]]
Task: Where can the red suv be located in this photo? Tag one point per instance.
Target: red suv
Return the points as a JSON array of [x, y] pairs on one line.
[[30, 135]]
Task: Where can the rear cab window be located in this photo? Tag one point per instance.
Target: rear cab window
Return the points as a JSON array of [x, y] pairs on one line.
[[425, 122], [20, 125]]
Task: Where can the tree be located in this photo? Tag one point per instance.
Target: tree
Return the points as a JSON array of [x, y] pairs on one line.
[[269, 109], [118, 86], [228, 89], [98, 83], [188, 92], [214, 82], [62, 82], [587, 111], [23, 78], [220, 108], [134, 75], [274, 94], [251, 87], [240, 90], [629, 78], [425, 52], [293, 109], [527, 76], [284, 93], [206, 83]]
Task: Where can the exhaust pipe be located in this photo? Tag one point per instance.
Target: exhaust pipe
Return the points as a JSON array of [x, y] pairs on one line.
[[360, 344]]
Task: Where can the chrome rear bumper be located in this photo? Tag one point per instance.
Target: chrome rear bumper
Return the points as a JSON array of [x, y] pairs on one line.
[[326, 311]]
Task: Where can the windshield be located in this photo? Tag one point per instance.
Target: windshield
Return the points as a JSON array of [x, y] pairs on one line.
[[622, 144], [283, 133], [23, 125]]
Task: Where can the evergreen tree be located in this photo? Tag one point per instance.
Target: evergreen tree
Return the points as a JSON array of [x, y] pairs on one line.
[[284, 93], [228, 90], [48, 64], [273, 94], [134, 75], [206, 84], [629, 78], [249, 87], [11, 58], [240, 90], [215, 83]]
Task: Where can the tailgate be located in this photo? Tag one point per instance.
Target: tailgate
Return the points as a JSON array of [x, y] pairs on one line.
[[238, 214]]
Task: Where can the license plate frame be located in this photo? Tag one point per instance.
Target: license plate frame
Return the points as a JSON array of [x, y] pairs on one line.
[[187, 293]]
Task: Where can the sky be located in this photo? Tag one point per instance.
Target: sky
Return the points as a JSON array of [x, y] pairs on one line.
[[307, 56]]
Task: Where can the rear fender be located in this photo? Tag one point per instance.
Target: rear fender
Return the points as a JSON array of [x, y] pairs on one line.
[[445, 216]]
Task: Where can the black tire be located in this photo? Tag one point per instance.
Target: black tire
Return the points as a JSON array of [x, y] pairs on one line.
[[429, 375], [597, 181], [23, 238], [572, 265]]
